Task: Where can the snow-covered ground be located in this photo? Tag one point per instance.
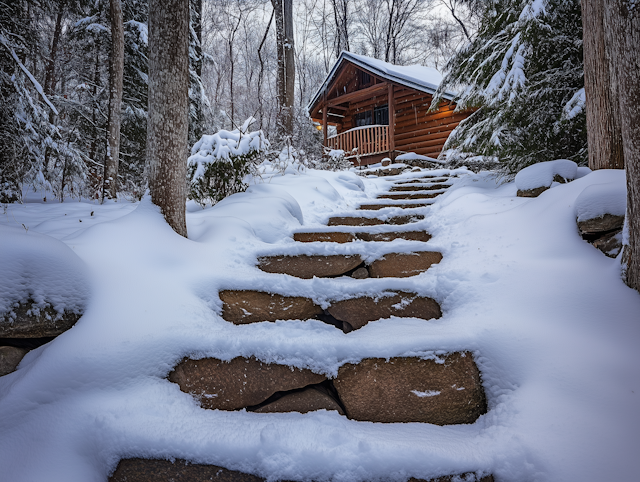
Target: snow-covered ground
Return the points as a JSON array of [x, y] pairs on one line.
[[554, 330]]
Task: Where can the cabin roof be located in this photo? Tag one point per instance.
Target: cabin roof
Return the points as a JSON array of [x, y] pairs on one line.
[[419, 77]]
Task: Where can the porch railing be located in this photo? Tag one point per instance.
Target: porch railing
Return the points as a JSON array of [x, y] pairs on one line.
[[367, 140]]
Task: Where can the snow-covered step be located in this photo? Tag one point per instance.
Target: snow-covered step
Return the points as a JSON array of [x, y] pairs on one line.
[[178, 470], [357, 312], [421, 187], [403, 265], [308, 266], [367, 221], [345, 237], [413, 195], [370, 207], [248, 306], [441, 390]]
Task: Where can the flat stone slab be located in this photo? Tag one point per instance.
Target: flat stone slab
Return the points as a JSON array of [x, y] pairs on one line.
[[333, 237], [239, 383], [369, 207], [430, 187], [423, 179], [150, 470], [602, 224], [362, 221], [147, 470], [10, 358], [412, 390], [308, 400], [610, 244], [425, 195], [248, 306], [28, 322], [400, 265], [357, 312], [408, 235], [308, 266]]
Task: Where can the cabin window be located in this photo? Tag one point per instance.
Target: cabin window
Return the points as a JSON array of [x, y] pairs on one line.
[[381, 115], [365, 78], [363, 118]]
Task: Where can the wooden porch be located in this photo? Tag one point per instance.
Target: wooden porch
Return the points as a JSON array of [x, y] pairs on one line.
[[361, 141]]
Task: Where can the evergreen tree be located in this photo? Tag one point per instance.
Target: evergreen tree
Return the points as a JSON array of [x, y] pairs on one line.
[[523, 72]]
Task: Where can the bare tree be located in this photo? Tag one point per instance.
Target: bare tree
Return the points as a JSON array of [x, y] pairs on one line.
[[604, 136], [116, 73], [168, 124], [622, 24], [286, 64]]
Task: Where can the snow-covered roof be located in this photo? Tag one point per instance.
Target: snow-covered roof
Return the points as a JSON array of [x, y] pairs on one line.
[[419, 77]]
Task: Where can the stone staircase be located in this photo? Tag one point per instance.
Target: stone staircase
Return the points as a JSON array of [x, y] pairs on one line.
[[442, 390]]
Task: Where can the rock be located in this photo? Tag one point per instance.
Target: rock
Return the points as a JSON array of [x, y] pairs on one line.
[[610, 244], [412, 390], [334, 237], [308, 400], [146, 470], [397, 265], [406, 219], [409, 235], [431, 187], [239, 383], [369, 207], [386, 162], [32, 323], [468, 477], [354, 221], [246, 306], [603, 224], [532, 192], [360, 273], [428, 195], [357, 312], [416, 169], [10, 358], [308, 266]]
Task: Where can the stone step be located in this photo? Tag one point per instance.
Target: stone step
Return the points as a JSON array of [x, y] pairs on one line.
[[362, 221], [307, 266], [357, 312], [29, 322], [423, 179], [370, 207], [332, 237], [337, 237], [413, 390], [179, 470], [429, 187], [10, 358], [249, 306], [239, 383], [400, 265], [426, 195], [445, 391]]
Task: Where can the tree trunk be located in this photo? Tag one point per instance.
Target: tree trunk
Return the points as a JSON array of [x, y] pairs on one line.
[[286, 66], [622, 21], [604, 136], [49, 82], [168, 125], [116, 71]]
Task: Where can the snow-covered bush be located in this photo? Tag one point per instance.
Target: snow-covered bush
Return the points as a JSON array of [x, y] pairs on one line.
[[334, 160], [219, 163]]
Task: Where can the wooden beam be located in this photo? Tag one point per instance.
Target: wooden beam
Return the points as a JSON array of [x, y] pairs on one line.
[[391, 106], [324, 119], [358, 94]]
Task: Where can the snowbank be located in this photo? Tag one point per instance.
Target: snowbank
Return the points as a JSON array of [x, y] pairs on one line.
[[42, 269], [542, 174], [412, 156], [610, 197]]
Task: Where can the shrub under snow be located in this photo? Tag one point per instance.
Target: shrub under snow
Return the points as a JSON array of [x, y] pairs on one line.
[[219, 163]]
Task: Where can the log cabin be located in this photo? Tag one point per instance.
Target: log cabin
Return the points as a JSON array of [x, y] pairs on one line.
[[381, 110]]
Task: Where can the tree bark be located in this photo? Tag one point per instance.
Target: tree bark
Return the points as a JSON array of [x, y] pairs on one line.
[[168, 125], [116, 72], [604, 136], [622, 21], [286, 78]]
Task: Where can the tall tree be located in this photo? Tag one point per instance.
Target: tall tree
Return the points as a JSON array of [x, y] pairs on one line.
[[622, 24], [168, 125], [286, 64], [604, 134], [116, 73]]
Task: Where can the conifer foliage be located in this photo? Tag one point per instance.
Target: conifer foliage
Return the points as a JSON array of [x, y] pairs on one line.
[[523, 72]]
